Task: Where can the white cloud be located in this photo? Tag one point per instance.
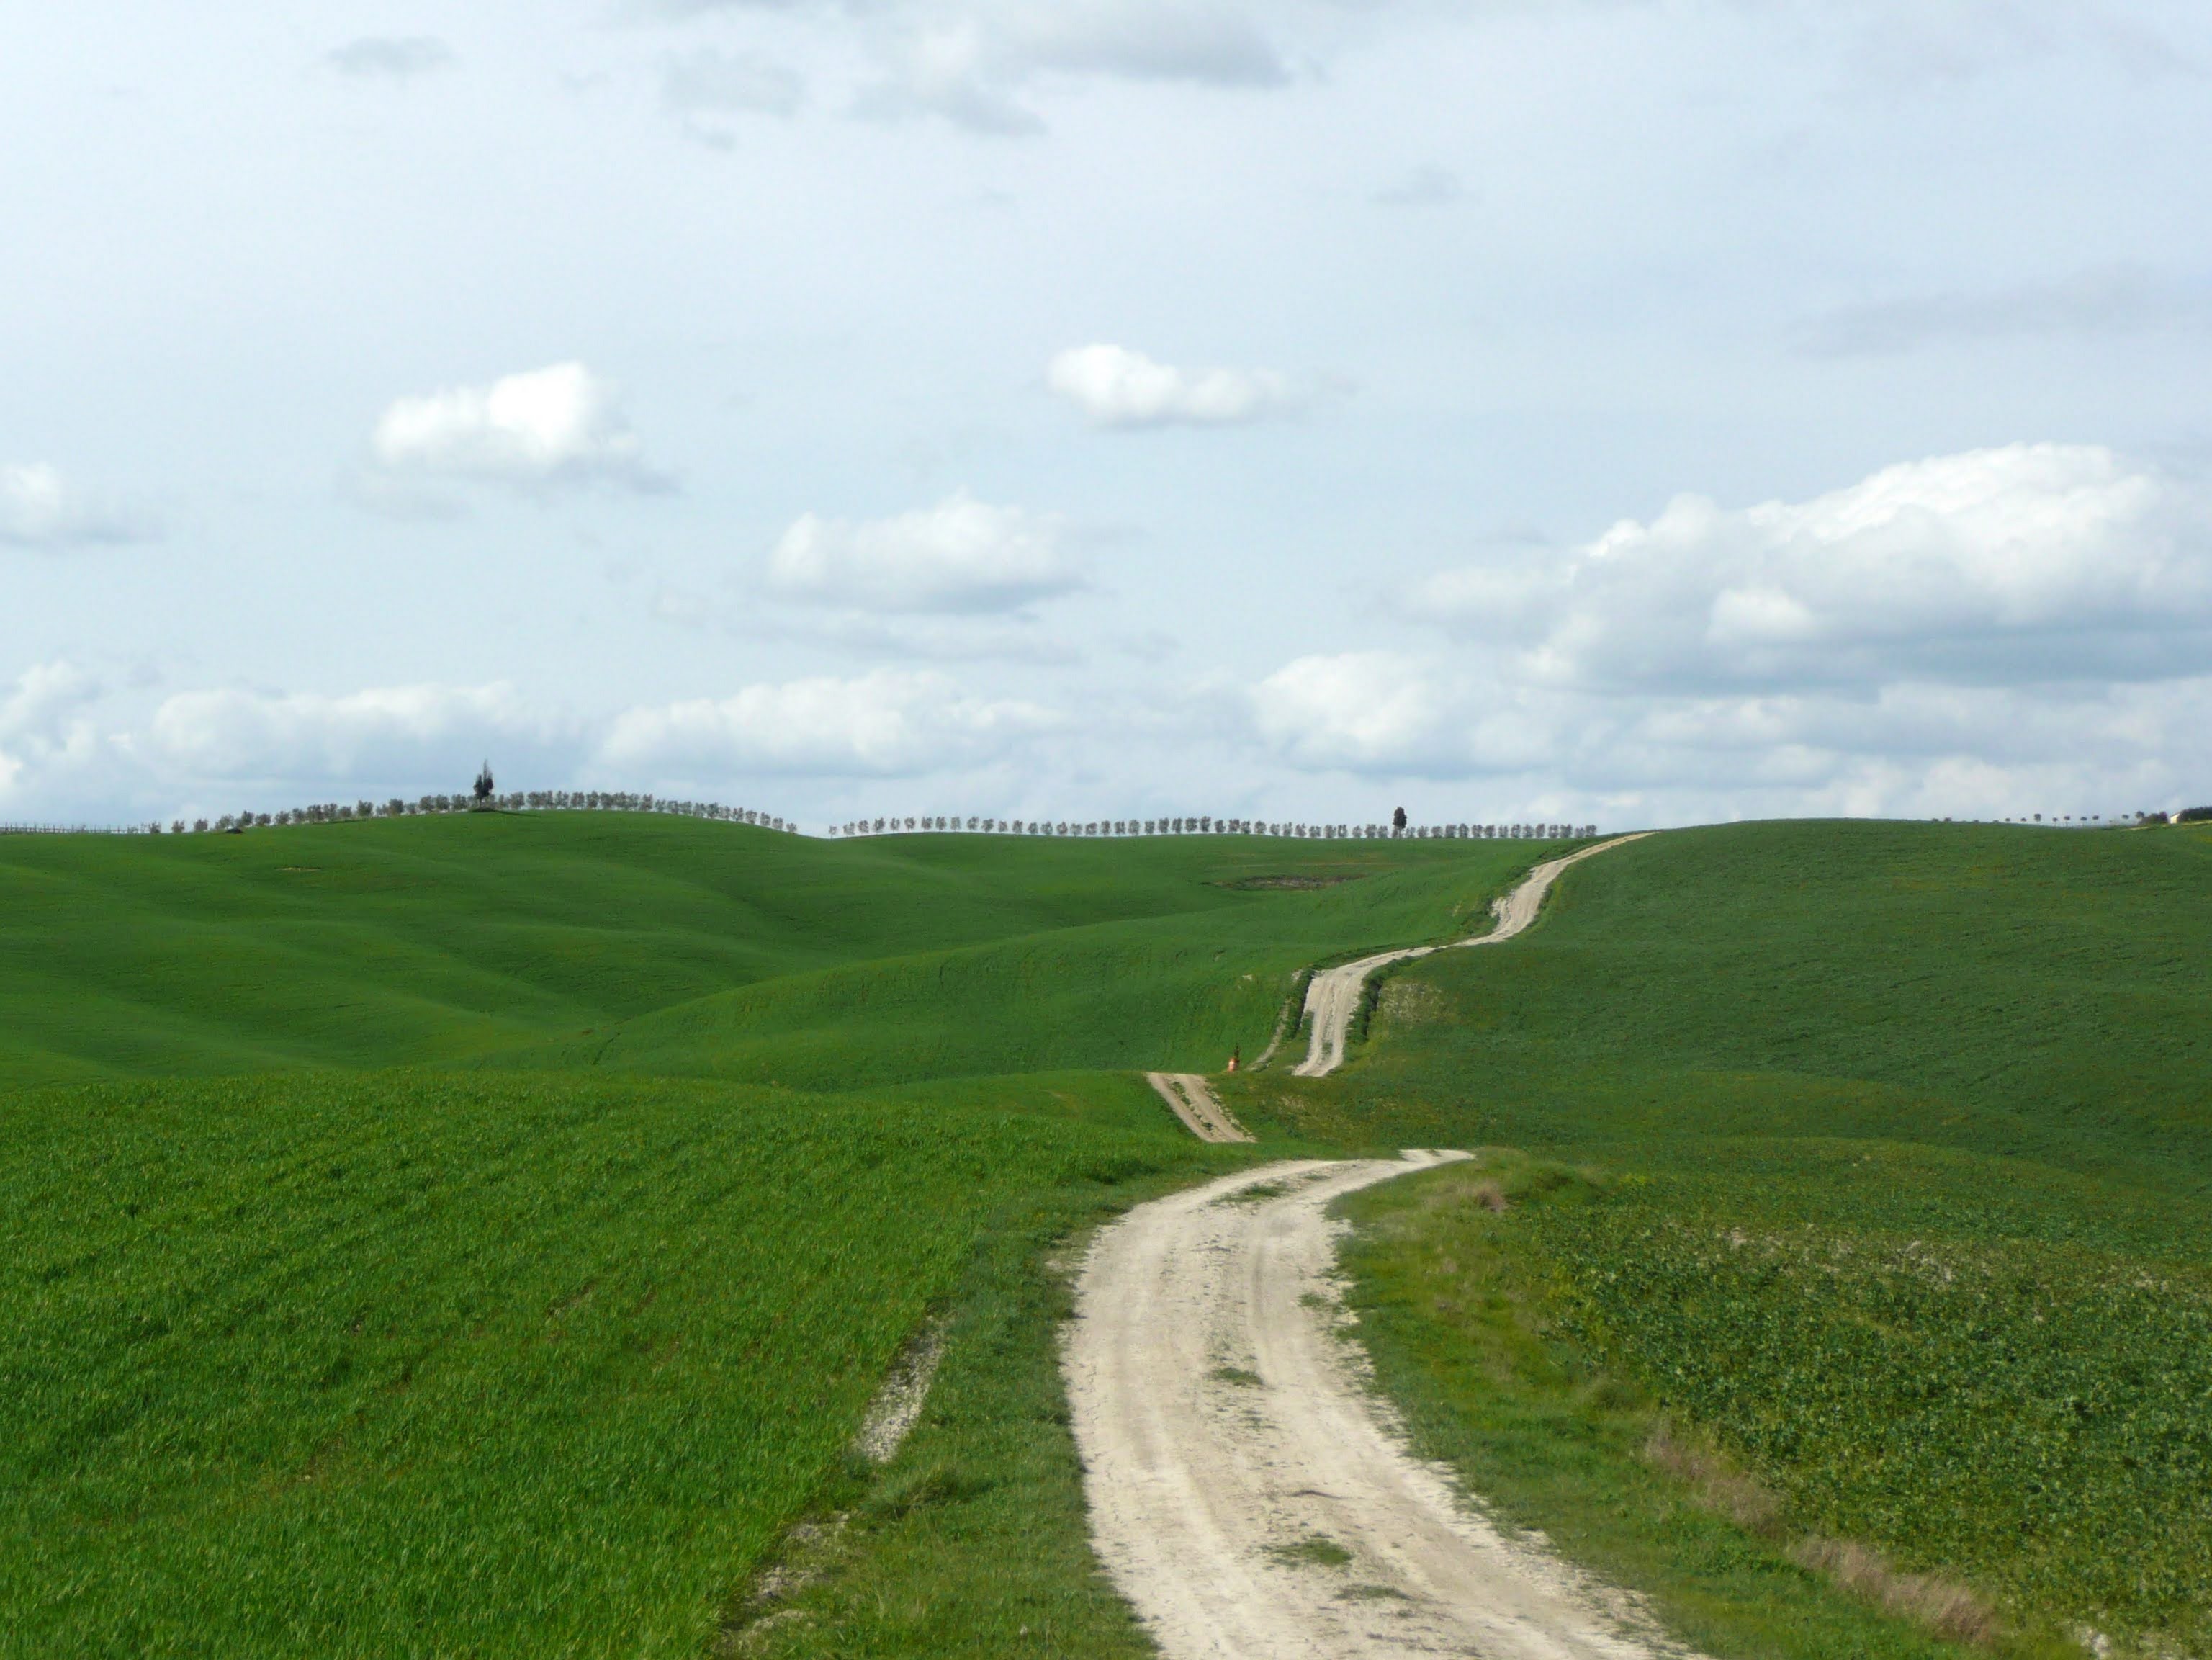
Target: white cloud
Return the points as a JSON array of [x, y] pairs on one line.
[[558, 425], [44, 722], [1976, 634], [953, 71], [1469, 735], [374, 733], [1390, 712], [1117, 388], [2028, 563], [888, 723], [962, 555], [39, 508], [396, 58]]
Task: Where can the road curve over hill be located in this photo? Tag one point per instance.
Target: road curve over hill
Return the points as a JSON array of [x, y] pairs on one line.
[[1246, 1493], [1332, 994]]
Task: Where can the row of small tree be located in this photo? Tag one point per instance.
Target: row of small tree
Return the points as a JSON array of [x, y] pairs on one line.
[[1206, 825], [486, 798], [329, 812]]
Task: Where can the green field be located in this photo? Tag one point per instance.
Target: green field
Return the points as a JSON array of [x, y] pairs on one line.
[[1881, 1164], [484, 1234]]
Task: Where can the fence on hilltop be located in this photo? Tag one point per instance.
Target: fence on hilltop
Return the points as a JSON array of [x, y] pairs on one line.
[[1207, 825]]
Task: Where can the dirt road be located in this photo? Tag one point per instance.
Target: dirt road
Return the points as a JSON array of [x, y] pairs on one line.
[[1246, 1493], [1195, 1102], [1332, 994]]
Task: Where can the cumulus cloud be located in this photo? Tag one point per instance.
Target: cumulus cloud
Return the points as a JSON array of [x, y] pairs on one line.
[[394, 57], [44, 720], [888, 723], [238, 734], [1392, 712], [960, 555], [1114, 386], [556, 426], [1970, 635], [39, 508], [226, 748], [2032, 563], [1500, 749]]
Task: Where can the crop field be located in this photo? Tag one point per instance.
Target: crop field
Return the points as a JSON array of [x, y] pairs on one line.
[[2005, 1406], [1889, 1180], [484, 1235], [512, 1363]]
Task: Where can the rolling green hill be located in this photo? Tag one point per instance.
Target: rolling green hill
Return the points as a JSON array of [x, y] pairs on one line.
[[1876, 1158], [484, 1233], [406, 1248], [445, 940]]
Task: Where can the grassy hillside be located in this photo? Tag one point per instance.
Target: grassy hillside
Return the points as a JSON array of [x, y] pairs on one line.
[[2038, 993], [440, 941], [1836, 1274], [1179, 990], [1880, 1164], [539, 1343], [385, 1365]]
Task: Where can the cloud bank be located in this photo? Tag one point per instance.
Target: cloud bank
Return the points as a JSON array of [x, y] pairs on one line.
[[888, 723], [2029, 564], [2028, 626], [1944, 636], [208, 748], [231, 733]]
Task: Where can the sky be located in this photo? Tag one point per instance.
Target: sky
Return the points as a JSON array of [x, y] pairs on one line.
[[1617, 411]]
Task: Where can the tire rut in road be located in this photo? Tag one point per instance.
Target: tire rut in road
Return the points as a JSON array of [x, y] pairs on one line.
[[1247, 1493]]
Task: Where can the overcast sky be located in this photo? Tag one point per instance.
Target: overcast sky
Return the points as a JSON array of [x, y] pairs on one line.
[[1635, 413]]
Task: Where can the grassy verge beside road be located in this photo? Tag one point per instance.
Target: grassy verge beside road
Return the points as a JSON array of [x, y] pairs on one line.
[[1898, 1212]]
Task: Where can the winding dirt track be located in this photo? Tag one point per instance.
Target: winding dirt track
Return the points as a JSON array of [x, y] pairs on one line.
[[1246, 1493], [1332, 994], [1193, 1101]]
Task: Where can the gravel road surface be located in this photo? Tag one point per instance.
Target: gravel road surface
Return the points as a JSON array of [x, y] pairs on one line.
[[1248, 1492], [1195, 1102]]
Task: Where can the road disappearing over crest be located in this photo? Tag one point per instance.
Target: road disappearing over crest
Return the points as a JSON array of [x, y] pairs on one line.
[[1333, 995]]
